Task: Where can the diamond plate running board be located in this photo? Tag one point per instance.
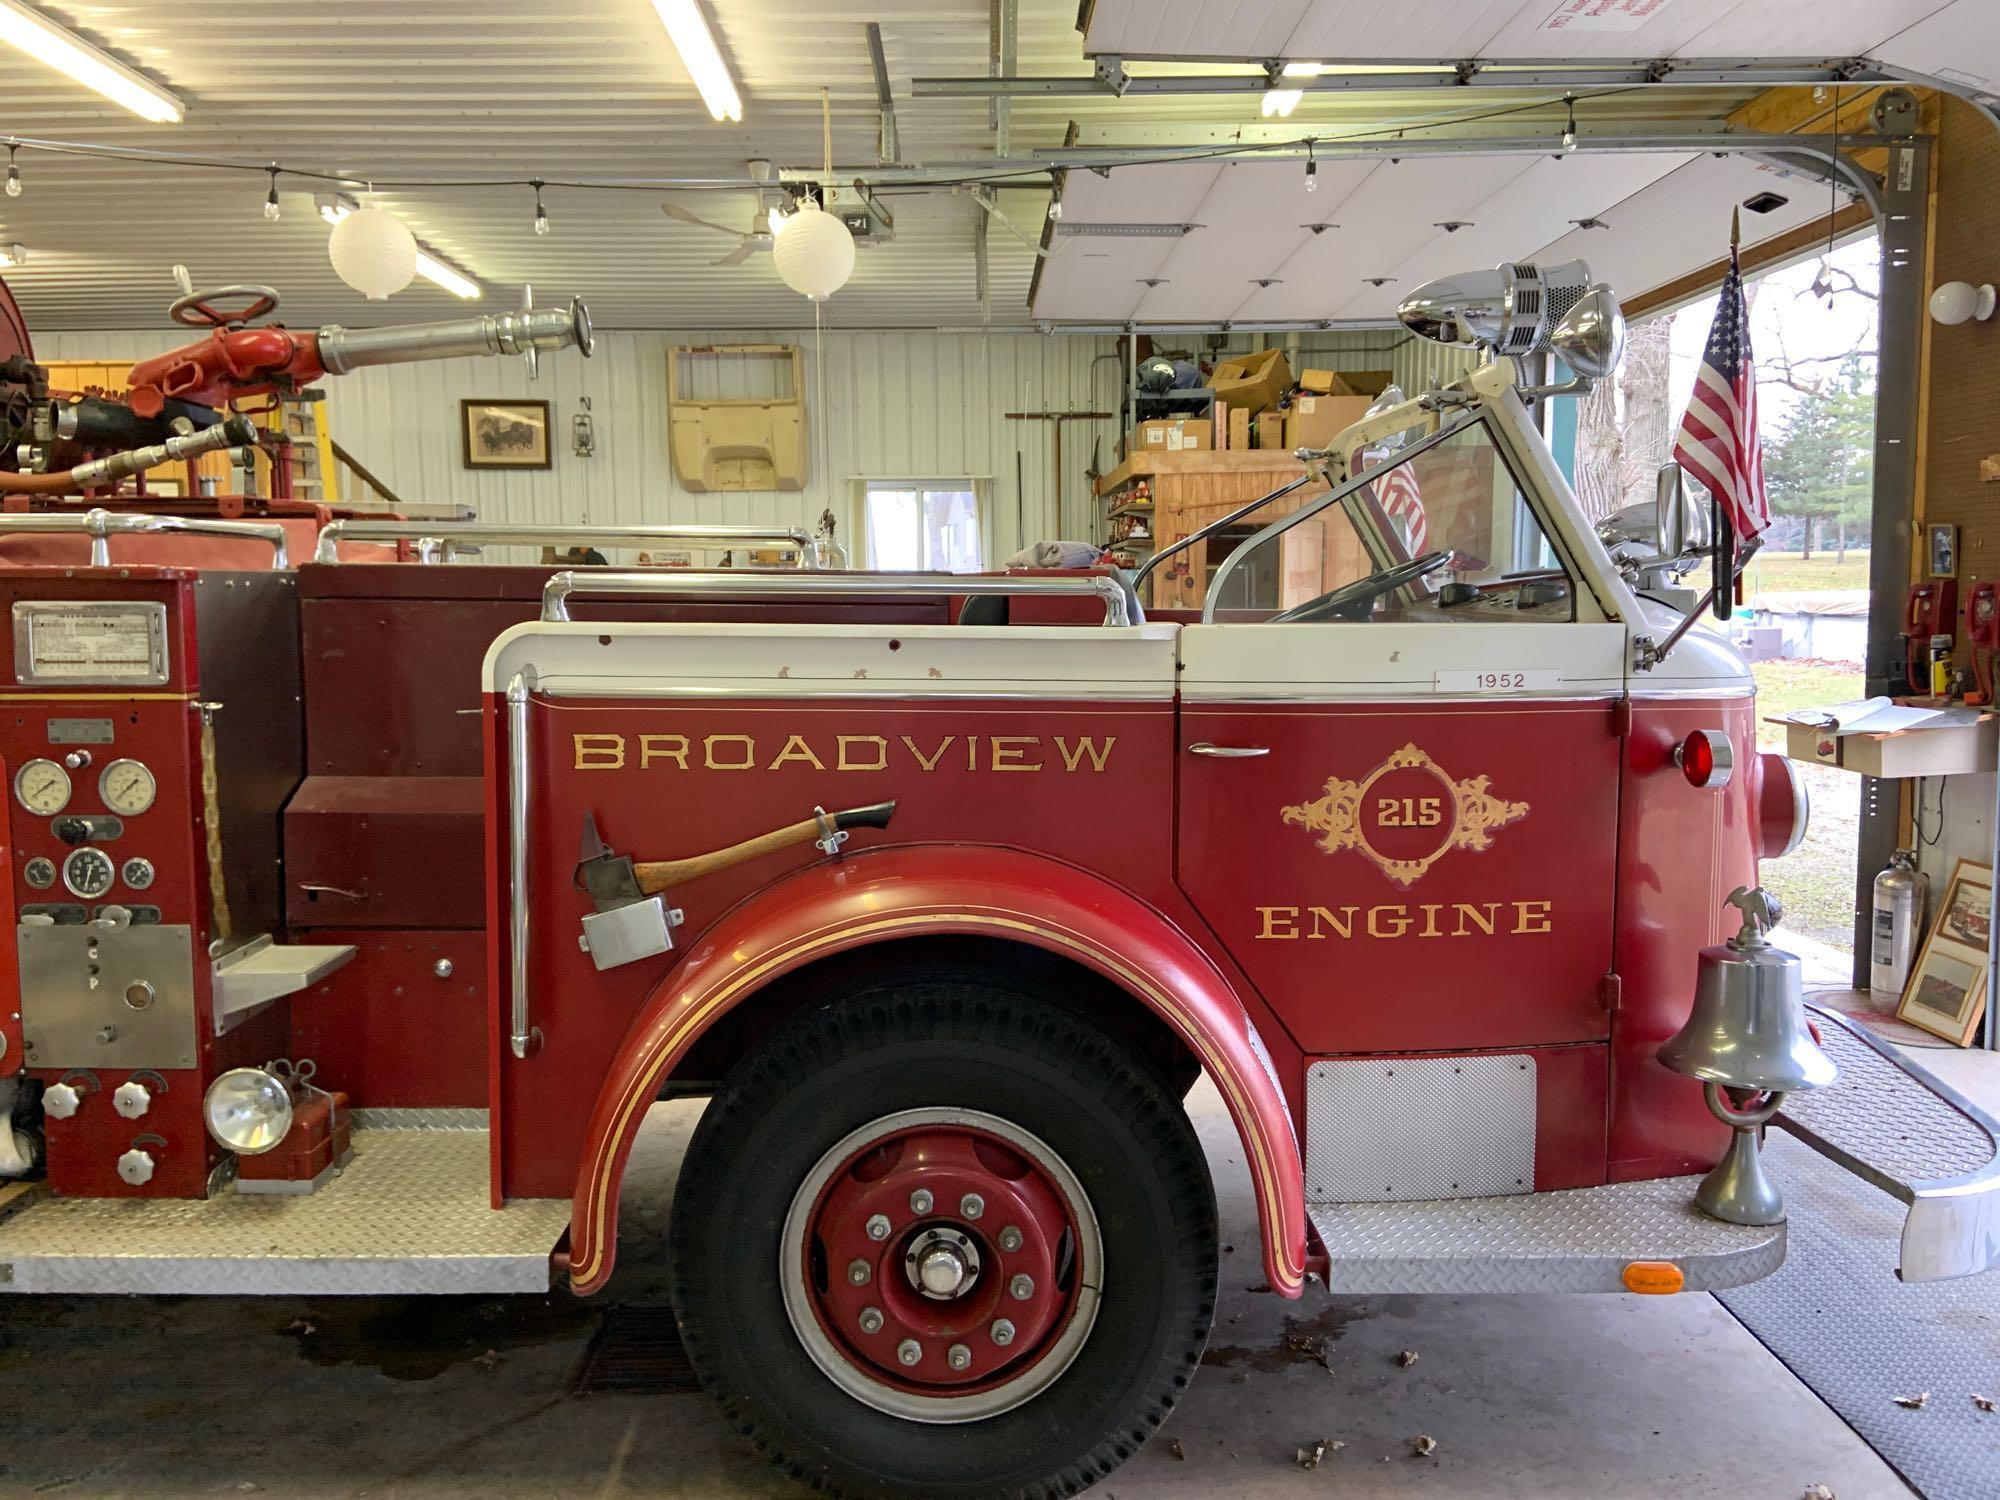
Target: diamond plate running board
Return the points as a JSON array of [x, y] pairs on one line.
[[411, 1215], [1892, 1124], [1578, 1240]]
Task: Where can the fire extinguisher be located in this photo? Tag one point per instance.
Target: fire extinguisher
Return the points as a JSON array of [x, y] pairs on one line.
[[1900, 893]]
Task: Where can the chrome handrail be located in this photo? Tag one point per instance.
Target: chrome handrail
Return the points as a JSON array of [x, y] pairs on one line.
[[101, 525], [557, 592], [520, 699], [436, 541]]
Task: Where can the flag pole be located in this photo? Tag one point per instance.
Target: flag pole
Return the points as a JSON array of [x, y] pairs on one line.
[[1735, 231]]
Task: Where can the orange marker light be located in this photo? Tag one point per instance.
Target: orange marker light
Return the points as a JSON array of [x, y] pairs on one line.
[[1654, 1278]]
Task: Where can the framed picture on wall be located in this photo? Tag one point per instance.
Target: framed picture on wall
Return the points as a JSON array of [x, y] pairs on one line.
[[505, 434], [1944, 551], [1946, 994]]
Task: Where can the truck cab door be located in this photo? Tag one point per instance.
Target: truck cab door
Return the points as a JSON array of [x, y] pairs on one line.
[[1403, 824]]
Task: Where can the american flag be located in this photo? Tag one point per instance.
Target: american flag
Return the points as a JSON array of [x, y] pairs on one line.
[[1718, 441], [1397, 493]]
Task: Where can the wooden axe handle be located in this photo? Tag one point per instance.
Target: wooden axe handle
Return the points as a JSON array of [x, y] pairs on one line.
[[658, 875]]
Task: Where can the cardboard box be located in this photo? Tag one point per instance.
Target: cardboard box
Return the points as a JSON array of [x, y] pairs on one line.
[[1316, 420], [1174, 435], [1252, 381], [1239, 428], [1271, 430]]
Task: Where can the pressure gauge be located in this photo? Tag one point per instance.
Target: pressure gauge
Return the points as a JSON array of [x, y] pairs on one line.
[[43, 787], [39, 873], [138, 873], [127, 787], [89, 872]]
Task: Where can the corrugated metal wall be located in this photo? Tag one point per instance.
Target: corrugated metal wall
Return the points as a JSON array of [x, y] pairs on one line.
[[898, 405]]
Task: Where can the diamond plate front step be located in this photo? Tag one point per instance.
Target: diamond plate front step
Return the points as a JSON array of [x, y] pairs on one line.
[[410, 1215], [1579, 1240], [1892, 1124]]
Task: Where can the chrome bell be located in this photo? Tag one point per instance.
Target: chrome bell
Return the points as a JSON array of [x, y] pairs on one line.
[[1747, 1041]]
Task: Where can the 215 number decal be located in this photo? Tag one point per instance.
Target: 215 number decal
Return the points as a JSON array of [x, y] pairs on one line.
[[1409, 812]]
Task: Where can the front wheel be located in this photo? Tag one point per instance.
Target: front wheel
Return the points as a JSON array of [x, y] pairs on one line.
[[938, 1237]]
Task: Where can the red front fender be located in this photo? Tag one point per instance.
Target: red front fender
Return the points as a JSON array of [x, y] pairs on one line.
[[928, 890]]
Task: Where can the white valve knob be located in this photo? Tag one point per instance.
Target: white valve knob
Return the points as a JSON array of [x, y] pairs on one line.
[[131, 1100], [136, 1167], [60, 1101]]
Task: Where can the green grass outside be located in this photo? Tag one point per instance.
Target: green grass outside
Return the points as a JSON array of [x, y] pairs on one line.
[[1816, 881], [1783, 686], [1790, 572]]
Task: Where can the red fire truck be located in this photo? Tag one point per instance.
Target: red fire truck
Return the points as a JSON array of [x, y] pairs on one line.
[[361, 910]]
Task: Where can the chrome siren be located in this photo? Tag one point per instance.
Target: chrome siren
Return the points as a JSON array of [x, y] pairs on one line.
[[1518, 309]]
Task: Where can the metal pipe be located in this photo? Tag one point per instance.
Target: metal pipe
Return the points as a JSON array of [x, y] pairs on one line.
[[522, 1037], [446, 536], [1111, 78], [100, 525], [343, 350], [557, 592], [231, 433]]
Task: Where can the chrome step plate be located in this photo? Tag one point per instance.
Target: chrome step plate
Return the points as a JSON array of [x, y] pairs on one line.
[[1895, 1126], [1579, 1240], [410, 1215]]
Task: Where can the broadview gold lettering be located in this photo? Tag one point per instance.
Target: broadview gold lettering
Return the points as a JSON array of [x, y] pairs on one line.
[[1483, 918], [840, 752]]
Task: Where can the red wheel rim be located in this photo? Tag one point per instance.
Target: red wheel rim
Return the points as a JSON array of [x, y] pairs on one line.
[[941, 1264]]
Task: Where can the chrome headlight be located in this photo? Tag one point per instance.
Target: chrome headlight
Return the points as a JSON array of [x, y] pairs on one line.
[[248, 1110]]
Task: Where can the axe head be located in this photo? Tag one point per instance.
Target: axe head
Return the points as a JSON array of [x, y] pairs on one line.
[[609, 878]]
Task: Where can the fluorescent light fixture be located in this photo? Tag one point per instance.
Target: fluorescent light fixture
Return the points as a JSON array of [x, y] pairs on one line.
[[13, 255], [687, 29], [1281, 102], [1070, 229], [25, 27], [333, 207]]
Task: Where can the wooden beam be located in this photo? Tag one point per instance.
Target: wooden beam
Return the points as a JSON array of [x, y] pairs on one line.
[[1755, 257]]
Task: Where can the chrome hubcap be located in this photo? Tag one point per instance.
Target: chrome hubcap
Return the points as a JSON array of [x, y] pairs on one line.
[[942, 1264]]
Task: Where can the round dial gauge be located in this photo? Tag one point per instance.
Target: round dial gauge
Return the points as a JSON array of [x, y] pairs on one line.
[[40, 873], [138, 873], [43, 787], [89, 872], [127, 787]]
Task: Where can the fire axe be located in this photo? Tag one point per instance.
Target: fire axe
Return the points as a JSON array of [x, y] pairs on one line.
[[633, 920]]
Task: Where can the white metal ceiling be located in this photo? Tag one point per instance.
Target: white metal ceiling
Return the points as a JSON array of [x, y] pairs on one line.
[[1663, 215], [1958, 39]]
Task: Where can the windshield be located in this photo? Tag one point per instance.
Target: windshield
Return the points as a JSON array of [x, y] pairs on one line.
[[1445, 530]]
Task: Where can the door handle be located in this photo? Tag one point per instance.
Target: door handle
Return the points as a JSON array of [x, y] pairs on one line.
[[1228, 752]]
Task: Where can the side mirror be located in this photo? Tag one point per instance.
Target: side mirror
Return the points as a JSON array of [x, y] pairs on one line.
[[1680, 524]]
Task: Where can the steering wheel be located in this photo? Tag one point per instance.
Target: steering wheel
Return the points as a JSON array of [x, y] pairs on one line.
[[199, 310], [1352, 601]]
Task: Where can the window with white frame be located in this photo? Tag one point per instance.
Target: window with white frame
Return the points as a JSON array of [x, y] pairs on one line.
[[922, 525]]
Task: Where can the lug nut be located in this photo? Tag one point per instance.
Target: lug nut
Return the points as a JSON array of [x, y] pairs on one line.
[[909, 1352], [857, 1272], [958, 1356], [1002, 1332], [972, 1205], [1022, 1287], [871, 1320], [920, 1201], [878, 1227], [1010, 1239]]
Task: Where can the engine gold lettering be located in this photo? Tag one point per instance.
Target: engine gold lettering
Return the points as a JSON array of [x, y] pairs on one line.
[[1467, 910], [929, 762], [1280, 922], [1531, 916], [749, 747], [1394, 920], [1342, 923]]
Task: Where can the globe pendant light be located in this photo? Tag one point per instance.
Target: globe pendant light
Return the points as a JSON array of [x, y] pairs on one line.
[[374, 252], [814, 252]]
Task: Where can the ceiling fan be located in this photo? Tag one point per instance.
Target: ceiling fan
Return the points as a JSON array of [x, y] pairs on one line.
[[749, 242]]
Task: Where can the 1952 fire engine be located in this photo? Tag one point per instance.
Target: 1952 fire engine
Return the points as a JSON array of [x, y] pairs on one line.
[[1429, 875]]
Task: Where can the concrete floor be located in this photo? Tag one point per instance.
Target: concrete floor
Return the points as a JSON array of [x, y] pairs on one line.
[[1561, 1397]]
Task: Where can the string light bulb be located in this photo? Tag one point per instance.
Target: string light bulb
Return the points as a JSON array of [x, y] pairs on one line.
[[271, 209], [541, 214], [13, 171], [1312, 170], [1569, 133]]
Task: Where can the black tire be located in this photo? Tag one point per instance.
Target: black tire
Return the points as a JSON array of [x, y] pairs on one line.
[[969, 1041]]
